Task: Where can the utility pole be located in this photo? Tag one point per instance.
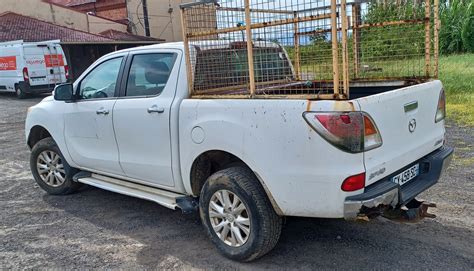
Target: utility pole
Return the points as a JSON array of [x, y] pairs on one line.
[[145, 18]]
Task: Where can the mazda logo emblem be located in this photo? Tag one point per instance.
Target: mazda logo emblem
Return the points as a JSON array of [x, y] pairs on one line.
[[412, 125]]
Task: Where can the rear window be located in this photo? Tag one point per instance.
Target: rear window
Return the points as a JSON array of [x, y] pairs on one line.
[[220, 68]]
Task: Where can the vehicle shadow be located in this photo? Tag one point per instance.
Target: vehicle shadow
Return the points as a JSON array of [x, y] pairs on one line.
[[12, 95], [170, 239]]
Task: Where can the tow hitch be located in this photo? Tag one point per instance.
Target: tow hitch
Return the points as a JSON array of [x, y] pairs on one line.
[[412, 212]]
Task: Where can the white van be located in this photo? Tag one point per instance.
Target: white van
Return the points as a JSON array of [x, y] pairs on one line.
[[32, 67]]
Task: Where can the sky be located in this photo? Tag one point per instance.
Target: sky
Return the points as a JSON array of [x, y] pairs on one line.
[[283, 34]]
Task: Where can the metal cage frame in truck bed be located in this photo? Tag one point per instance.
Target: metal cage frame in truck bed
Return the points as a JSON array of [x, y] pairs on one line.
[[307, 49]]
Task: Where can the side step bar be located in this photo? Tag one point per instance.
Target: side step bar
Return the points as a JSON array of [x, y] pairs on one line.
[[165, 198]]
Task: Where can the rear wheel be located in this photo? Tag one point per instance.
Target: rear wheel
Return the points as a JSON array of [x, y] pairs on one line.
[[50, 169], [20, 94], [237, 214]]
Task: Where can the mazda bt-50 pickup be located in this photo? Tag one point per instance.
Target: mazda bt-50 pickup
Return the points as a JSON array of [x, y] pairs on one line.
[[129, 125]]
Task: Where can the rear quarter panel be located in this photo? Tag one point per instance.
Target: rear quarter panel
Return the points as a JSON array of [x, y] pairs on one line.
[[302, 172]]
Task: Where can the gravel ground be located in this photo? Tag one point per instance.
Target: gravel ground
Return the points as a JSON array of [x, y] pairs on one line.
[[99, 229]]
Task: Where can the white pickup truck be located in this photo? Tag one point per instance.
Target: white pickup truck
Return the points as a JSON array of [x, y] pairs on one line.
[[128, 125]]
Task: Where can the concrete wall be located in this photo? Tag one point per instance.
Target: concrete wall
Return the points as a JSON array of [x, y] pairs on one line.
[[59, 15], [164, 22]]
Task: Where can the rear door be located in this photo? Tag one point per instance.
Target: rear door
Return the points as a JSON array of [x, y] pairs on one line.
[[54, 62], [142, 116], [36, 65], [406, 121]]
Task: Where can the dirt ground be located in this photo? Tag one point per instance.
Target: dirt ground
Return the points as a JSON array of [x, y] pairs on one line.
[[99, 229]]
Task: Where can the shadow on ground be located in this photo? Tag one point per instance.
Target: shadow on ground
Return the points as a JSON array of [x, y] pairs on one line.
[[170, 239]]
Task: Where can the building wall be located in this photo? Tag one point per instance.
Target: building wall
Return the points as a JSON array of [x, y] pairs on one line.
[[113, 14], [60, 16], [111, 9], [164, 18]]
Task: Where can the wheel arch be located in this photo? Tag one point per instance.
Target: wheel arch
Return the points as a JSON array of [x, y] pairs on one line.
[[37, 133], [211, 161]]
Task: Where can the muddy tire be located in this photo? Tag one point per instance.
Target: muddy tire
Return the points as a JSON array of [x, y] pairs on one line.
[[20, 94], [238, 215], [50, 169]]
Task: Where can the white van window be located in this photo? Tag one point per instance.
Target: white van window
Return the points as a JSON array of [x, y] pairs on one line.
[[101, 82]]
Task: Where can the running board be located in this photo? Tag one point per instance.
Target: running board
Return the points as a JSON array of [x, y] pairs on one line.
[[162, 197]]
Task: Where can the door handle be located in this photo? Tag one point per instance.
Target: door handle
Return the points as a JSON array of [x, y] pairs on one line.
[[102, 111], [155, 109]]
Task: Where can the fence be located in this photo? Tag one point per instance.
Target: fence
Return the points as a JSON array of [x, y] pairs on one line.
[[311, 49]]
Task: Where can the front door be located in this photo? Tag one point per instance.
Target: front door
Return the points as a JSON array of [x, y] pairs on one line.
[[89, 131], [142, 118]]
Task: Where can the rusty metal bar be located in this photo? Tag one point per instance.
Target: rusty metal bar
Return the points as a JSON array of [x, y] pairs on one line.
[[427, 38], [345, 52], [248, 31], [335, 57], [235, 88], [259, 25], [187, 54], [402, 22], [358, 2], [356, 26], [436, 38], [272, 11], [356, 37], [317, 31], [273, 96], [297, 49]]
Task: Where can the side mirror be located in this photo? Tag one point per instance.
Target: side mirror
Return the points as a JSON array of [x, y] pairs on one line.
[[64, 92]]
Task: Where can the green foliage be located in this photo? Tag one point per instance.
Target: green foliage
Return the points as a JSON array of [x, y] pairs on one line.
[[456, 73], [468, 30], [398, 41], [319, 50], [456, 33], [457, 26]]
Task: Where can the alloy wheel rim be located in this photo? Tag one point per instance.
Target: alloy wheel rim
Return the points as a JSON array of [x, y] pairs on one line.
[[50, 168], [229, 218]]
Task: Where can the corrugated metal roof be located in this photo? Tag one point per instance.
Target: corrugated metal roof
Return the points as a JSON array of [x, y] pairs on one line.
[[18, 27], [14, 26]]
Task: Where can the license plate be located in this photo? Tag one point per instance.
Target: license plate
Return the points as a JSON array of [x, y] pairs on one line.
[[407, 175]]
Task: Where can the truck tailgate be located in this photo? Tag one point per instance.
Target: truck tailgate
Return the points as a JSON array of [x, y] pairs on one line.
[[406, 121]]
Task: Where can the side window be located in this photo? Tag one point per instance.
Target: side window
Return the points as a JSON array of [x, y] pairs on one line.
[[149, 74], [101, 81]]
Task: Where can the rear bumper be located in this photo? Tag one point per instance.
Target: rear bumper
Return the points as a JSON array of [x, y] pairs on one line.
[[386, 194], [25, 87]]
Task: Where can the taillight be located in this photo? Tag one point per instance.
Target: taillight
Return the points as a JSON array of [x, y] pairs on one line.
[[354, 183], [66, 71], [441, 110], [349, 131], [26, 77]]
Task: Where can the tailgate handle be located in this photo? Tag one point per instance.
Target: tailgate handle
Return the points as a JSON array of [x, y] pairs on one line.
[[411, 106]]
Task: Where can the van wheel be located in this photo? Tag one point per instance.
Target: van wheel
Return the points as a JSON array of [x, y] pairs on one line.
[[237, 214], [50, 169], [20, 94]]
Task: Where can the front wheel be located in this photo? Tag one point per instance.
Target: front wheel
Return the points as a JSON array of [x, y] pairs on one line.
[[50, 169], [237, 214]]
